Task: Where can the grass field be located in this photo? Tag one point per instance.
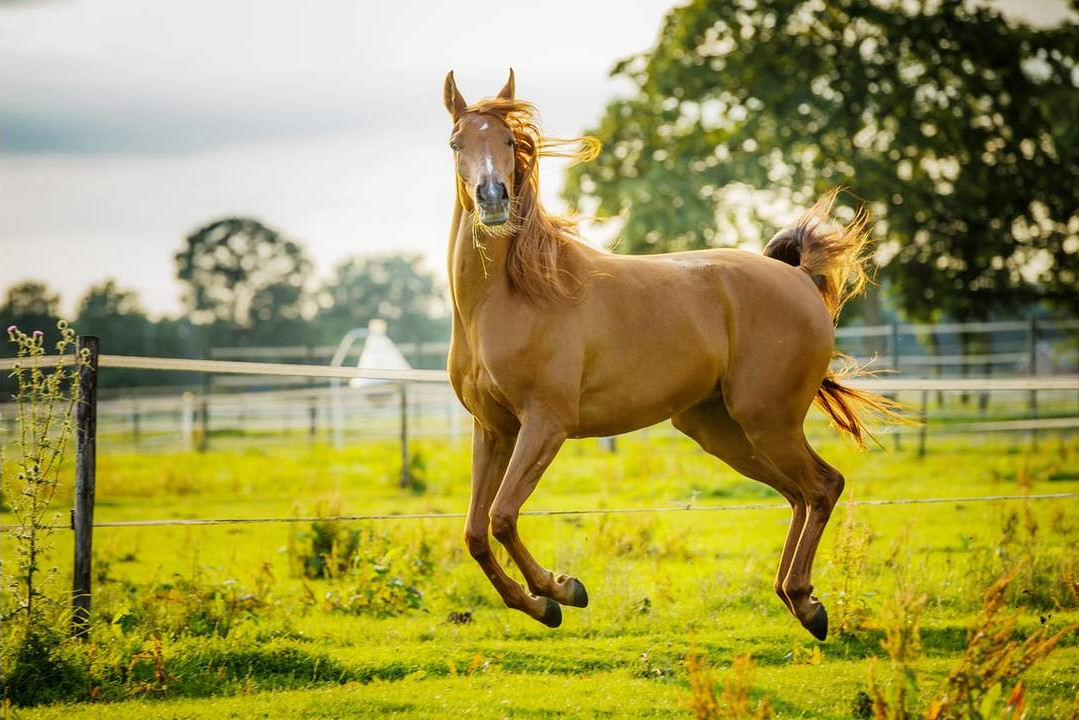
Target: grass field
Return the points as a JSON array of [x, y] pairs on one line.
[[234, 621]]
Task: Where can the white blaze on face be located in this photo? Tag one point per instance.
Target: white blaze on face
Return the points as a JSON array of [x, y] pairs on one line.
[[487, 160]]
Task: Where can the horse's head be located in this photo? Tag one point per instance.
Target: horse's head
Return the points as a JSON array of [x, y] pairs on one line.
[[483, 150]]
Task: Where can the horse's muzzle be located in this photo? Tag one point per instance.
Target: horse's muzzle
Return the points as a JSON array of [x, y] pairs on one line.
[[493, 202]]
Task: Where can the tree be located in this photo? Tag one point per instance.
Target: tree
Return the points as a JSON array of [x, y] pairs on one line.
[[395, 288], [115, 315], [245, 276], [32, 306], [953, 123]]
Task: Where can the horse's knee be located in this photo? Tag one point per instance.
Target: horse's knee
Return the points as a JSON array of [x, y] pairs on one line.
[[503, 525], [477, 543]]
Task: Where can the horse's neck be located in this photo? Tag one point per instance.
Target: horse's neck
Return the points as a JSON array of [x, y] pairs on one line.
[[475, 273]]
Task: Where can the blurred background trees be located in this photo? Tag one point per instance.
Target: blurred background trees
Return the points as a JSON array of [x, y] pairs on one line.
[[244, 284], [32, 306], [953, 124], [395, 288], [239, 276]]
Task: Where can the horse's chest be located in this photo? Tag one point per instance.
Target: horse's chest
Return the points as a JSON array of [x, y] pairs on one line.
[[477, 389]]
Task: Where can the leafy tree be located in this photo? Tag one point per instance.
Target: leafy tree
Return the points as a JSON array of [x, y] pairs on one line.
[[115, 315], [395, 288], [32, 306], [954, 124], [242, 275]]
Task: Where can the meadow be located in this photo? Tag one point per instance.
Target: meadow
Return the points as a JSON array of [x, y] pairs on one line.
[[321, 620]]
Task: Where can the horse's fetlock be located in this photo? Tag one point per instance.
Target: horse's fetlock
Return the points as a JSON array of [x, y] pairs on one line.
[[777, 588]]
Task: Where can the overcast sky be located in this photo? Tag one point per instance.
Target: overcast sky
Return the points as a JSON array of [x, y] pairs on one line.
[[125, 124]]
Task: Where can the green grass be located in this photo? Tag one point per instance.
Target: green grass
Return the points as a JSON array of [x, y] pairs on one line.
[[243, 636]]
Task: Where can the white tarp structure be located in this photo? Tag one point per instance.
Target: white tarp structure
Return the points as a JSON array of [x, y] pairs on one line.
[[379, 353]]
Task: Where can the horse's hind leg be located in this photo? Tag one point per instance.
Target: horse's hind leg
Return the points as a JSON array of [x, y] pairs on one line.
[[718, 434], [820, 485]]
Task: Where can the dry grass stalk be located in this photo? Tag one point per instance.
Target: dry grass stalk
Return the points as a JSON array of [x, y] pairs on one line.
[[734, 702], [994, 659]]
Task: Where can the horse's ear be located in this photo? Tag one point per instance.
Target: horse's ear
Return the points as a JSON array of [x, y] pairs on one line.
[[452, 97], [506, 93]]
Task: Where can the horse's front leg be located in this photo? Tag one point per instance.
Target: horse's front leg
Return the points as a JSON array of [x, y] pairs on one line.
[[537, 444], [490, 456]]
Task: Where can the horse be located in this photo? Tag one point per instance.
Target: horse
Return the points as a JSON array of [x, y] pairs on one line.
[[553, 339]]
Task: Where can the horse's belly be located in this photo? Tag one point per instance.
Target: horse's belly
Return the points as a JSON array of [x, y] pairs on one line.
[[636, 405]]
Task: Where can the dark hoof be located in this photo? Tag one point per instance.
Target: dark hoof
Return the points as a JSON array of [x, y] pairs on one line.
[[552, 616], [580, 595], [818, 624]]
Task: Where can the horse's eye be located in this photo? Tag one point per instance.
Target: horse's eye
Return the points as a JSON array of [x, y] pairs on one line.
[[455, 146], [510, 142]]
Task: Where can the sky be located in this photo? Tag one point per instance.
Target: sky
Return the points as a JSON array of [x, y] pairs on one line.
[[125, 124]]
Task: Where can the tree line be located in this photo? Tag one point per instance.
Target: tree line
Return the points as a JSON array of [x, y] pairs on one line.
[[953, 123], [245, 284]]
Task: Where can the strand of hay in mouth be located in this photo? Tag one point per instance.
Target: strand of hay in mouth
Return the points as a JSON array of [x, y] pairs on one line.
[[480, 246]]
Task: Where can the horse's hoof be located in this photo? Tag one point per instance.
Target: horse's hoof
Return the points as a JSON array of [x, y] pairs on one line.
[[818, 624], [552, 616], [580, 595]]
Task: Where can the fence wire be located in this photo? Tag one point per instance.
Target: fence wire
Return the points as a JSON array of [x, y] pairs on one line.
[[688, 507], [231, 367]]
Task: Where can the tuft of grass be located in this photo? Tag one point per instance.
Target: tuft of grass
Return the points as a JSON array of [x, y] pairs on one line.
[[849, 555], [993, 662], [901, 620], [734, 701]]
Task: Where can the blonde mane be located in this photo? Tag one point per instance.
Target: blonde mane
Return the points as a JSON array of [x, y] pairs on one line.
[[536, 236]]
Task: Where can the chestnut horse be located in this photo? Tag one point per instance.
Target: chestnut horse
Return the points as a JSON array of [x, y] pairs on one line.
[[553, 339]]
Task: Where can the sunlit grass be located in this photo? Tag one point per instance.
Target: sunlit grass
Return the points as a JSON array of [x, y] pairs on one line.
[[659, 583]]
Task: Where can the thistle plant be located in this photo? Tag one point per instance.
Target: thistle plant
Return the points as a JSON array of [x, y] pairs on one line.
[[849, 557], [45, 396]]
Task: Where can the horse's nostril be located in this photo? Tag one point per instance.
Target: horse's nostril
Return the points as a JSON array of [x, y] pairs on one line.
[[492, 193]]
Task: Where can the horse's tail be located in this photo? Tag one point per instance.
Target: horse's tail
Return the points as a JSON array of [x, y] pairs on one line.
[[836, 261]]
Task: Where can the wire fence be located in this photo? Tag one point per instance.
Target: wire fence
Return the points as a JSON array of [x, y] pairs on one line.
[[86, 433], [194, 522]]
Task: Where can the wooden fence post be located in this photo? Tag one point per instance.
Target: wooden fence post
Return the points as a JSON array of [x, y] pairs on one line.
[[136, 430], [312, 407], [923, 431], [406, 476], [204, 437], [895, 368], [1032, 351], [82, 519]]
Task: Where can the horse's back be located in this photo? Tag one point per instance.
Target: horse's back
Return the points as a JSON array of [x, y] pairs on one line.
[[681, 327]]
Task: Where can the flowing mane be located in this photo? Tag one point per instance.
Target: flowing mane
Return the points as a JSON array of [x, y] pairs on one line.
[[536, 236]]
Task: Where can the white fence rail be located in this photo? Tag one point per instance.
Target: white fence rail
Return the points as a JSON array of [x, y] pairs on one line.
[[228, 367]]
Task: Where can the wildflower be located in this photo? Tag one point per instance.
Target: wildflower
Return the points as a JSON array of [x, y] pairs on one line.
[[11, 329]]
